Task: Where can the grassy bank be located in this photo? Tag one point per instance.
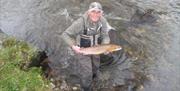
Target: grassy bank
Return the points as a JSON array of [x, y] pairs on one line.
[[13, 55]]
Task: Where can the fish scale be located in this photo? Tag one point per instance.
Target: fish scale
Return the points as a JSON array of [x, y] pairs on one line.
[[100, 49]]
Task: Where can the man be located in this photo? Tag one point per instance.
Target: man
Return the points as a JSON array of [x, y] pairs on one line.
[[89, 30]]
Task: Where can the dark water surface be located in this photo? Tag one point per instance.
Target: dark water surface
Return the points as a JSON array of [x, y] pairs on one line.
[[157, 65], [166, 74]]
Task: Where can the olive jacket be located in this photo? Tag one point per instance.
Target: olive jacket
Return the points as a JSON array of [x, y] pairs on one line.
[[78, 27]]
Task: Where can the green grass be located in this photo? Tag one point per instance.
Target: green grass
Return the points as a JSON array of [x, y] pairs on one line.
[[13, 54]]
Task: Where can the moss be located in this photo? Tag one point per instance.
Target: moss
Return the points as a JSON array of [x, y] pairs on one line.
[[12, 78]]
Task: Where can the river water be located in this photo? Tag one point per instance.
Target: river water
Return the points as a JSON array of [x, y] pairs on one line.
[[166, 74], [33, 17]]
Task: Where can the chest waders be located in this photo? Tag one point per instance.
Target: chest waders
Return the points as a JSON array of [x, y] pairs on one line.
[[92, 39]]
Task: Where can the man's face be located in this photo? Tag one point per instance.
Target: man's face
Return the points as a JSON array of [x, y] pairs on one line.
[[95, 15]]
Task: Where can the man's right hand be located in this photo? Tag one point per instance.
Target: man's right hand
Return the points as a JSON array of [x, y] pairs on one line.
[[76, 49]]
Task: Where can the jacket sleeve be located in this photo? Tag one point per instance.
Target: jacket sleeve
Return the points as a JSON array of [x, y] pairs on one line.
[[70, 34], [105, 30]]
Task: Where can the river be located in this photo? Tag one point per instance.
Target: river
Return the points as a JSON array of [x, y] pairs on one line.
[[166, 74], [36, 21]]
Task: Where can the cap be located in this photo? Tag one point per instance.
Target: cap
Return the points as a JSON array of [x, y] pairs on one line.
[[95, 6]]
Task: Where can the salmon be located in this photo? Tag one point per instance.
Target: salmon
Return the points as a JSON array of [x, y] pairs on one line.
[[100, 49]]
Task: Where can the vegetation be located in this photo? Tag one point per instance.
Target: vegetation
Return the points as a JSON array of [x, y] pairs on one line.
[[13, 55]]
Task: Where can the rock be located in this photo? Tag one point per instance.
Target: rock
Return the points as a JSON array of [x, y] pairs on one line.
[[52, 85], [144, 16]]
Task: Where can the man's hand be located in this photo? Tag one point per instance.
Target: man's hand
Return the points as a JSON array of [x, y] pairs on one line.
[[76, 49]]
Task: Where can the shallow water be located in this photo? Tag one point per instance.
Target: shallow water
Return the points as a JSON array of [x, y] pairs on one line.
[[31, 19], [166, 74]]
